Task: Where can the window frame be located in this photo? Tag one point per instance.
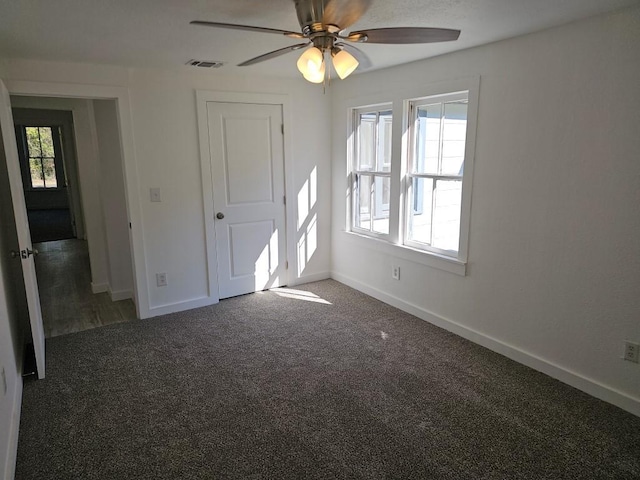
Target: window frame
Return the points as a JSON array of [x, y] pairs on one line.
[[354, 126], [393, 244], [411, 112]]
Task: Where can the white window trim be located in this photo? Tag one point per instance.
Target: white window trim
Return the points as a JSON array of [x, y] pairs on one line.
[[393, 244], [353, 171], [411, 106]]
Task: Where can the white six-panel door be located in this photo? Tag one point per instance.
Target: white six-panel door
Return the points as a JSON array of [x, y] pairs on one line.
[[247, 163], [22, 226]]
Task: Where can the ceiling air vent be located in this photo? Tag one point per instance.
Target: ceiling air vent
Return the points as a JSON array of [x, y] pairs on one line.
[[204, 64]]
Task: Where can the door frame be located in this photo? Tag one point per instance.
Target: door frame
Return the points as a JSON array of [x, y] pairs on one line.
[[132, 195], [202, 98]]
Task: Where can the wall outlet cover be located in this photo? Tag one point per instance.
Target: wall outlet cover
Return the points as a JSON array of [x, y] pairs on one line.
[[631, 352], [155, 195], [161, 279], [395, 272]]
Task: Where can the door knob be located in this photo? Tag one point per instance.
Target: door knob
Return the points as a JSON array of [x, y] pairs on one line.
[[219, 215], [27, 252]]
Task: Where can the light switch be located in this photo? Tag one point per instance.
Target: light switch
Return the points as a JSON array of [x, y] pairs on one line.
[[155, 195]]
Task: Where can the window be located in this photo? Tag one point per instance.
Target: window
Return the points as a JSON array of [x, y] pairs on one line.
[[438, 127], [413, 190], [372, 172], [41, 157]]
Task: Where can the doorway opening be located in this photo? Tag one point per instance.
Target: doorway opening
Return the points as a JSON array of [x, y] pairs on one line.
[[73, 186], [48, 166]]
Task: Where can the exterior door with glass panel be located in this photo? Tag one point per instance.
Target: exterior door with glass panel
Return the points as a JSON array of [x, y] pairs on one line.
[[247, 163], [48, 161], [25, 253]]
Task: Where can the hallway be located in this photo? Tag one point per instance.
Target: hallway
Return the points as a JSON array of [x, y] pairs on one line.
[[64, 281]]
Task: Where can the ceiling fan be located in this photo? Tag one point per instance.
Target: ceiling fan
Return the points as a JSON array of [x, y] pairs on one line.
[[323, 26]]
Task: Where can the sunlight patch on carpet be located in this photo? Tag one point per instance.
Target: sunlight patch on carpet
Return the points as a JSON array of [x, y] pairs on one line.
[[300, 295]]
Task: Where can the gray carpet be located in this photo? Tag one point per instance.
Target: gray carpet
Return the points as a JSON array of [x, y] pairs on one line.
[[271, 385]]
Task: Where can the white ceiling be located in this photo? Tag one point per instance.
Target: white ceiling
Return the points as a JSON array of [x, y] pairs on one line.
[[156, 33]]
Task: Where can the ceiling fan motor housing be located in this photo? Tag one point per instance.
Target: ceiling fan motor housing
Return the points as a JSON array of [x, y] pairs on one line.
[[310, 15], [329, 16]]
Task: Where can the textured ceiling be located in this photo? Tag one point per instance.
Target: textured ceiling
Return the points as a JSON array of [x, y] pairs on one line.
[[156, 33]]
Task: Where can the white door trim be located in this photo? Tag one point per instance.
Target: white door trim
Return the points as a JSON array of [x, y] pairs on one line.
[[202, 97], [134, 210]]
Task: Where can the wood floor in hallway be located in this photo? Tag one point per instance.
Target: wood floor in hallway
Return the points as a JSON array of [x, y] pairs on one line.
[[64, 281]]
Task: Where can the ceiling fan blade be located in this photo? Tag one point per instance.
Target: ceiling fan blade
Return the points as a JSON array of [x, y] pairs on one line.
[[404, 35], [274, 54], [344, 13], [249, 28], [363, 60]]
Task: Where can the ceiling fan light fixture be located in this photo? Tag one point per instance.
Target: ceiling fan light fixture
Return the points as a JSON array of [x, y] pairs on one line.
[[315, 76], [344, 63], [311, 61]]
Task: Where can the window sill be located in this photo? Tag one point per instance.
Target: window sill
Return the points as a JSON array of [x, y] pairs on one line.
[[410, 254]]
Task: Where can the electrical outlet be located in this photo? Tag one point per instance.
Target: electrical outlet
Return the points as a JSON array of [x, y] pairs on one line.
[[155, 194], [395, 272], [161, 279], [631, 351]]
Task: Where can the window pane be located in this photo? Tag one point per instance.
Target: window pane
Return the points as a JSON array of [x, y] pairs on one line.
[[46, 142], [35, 168], [420, 211], [33, 141], [427, 139], [366, 142], [49, 168], [363, 208], [385, 124], [381, 195], [454, 133], [446, 214]]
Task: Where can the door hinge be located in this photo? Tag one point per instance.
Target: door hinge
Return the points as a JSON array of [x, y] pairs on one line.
[[129, 225], [282, 128], [284, 199], [286, 265]]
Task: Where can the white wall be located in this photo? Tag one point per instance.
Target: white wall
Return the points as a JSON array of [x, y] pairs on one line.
[[89, 175], [166, 155], [554, 257], [113, 199]]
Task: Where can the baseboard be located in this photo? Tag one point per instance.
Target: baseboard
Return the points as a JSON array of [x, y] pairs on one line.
[[99, 287], [120, 295], [178, 307], [12, 452], [313, 277], [587, 385]]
